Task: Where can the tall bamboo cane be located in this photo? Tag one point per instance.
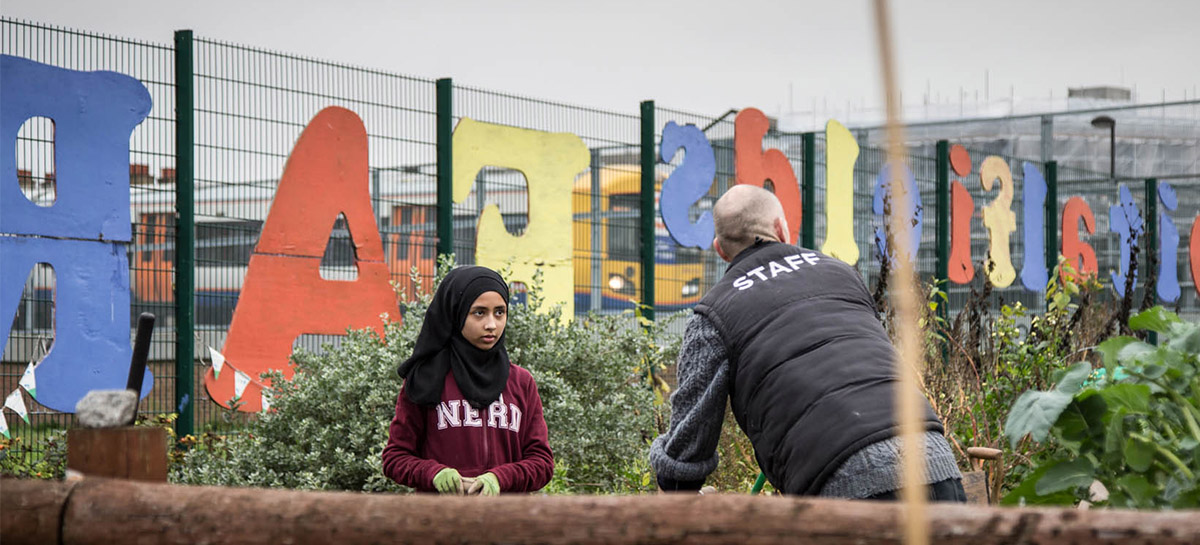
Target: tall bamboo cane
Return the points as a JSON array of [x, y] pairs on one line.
[[905, 301]]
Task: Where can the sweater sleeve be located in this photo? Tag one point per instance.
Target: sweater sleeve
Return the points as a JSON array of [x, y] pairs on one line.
[[405, 436], [536, 466], [687, 453]]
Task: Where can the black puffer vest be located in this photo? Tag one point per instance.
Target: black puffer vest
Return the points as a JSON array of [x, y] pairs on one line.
[[813, 368]]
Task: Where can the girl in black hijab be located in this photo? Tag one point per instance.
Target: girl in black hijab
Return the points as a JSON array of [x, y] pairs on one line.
[[441, 347], [467, 419]]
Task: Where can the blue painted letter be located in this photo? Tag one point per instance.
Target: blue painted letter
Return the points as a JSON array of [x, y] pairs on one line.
[[909, 206], [687, 184], [1033, 272], [83, 234], [1125, 220], [1168, 244]]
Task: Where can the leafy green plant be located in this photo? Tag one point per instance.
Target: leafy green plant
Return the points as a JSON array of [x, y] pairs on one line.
[[1137, 435]]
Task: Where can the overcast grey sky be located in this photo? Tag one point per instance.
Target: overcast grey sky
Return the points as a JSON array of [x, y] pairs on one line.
[[701, 55]]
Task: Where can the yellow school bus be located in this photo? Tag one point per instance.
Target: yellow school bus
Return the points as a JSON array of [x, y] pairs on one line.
[[607, 258]]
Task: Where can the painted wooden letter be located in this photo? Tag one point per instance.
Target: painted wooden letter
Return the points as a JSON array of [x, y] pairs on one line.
[[284, 295], [1033, 268], [907, 204], [1079, 254], [1168, 242], [1000, 220], [549, 162], [83, 235], [1194, 253], [1125, 219], [962, 209], [687, 184], [841, 152], [755, 166]]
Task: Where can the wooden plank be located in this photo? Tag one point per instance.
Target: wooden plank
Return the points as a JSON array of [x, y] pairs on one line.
[[124, 511], [123, 453]]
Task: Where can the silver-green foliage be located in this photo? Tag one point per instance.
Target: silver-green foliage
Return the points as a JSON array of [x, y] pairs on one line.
[[329, 423]]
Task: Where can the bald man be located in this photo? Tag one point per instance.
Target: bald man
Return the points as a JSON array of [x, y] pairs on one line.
[[792, 339]]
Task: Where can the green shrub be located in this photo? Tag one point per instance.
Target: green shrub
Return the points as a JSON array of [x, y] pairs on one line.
[[328, 424], [1137, 435]]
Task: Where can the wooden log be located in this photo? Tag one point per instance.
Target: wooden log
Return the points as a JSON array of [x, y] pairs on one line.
[[123, 453], [118, 511], [30, 510]]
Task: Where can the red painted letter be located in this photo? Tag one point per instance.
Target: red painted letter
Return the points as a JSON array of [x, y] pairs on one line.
[[754, 166], [1080, 254], [1194, 253], [284, 295], [962, 206]]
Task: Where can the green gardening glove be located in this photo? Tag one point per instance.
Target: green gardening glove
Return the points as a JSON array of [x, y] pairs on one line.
[[485, 485], [448, 481]]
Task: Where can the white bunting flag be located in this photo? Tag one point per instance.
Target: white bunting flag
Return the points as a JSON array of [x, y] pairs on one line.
[[218, 361], [29, 382], [4, 426], [17, 404], [240, 381], [266, 399]]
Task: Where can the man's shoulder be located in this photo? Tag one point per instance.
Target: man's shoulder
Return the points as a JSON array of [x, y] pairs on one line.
[[698, 322]]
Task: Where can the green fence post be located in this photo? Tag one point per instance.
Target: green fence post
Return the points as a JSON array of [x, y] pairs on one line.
[[445, 159], [1151, 249], [1052, 249], [185, 235], [647, 208], [943, 211], [942, 201], [808, 205]]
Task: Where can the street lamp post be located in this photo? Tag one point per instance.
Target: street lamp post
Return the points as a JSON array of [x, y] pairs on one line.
[[1102, 122]]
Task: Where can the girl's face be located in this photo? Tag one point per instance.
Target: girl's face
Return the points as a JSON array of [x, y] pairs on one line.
[[485, 321]]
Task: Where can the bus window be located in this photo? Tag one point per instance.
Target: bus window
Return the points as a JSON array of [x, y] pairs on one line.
[[623, 240]]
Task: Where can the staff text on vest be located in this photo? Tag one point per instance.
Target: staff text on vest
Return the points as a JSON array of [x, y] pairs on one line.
[[775, 268]]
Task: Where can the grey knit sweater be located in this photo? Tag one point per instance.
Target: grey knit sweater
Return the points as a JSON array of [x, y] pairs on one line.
[[688, 451]]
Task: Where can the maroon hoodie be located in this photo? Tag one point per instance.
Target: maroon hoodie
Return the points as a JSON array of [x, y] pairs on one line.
[[507, 438]]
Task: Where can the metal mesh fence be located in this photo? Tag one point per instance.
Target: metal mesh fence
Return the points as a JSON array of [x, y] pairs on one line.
[[684, 275], [251, 106], [151, 175], [1102, 195], [980, 243], [605, 195]]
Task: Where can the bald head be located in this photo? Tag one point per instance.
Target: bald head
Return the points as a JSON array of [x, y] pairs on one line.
[[743, 213]]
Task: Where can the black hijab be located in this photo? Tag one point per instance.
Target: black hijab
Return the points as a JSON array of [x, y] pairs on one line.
[[441, 348]]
